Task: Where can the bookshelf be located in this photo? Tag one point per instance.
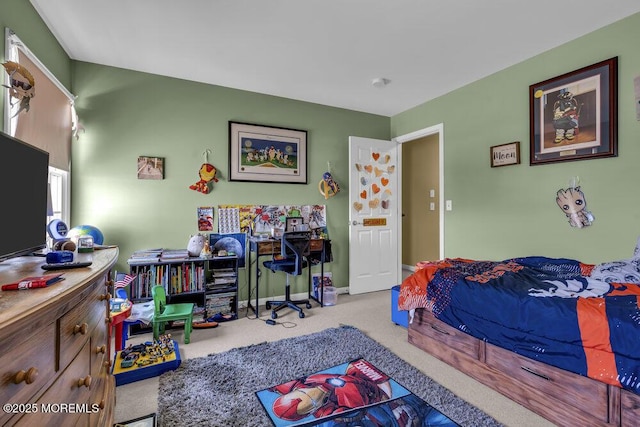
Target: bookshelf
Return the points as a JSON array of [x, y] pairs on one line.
[[210, 283]]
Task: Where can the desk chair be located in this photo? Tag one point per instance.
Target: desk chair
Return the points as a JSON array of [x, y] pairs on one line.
[[295, 248], [164, 312]]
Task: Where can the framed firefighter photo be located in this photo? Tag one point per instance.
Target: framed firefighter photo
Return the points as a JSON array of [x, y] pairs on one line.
[[574, 116]]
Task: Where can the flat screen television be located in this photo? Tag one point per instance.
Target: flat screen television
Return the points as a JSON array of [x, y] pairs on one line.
[[24, 172]]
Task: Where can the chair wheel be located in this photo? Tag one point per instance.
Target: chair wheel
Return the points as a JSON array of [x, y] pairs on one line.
[[308, 305], [268, 305], [301, 315], [274, 315]]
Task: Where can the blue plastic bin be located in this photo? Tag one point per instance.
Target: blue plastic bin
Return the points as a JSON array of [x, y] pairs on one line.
[[398, 317]]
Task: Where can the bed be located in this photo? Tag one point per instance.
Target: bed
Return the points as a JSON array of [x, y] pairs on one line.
[[558, 336]]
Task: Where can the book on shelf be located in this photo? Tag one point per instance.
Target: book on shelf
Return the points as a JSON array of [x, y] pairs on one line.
[[174, 255], [142, 256]]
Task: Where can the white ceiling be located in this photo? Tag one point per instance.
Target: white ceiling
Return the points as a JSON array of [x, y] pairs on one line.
[[325, 51]]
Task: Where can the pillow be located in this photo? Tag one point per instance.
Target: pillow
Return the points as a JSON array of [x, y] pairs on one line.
[[623, 271]]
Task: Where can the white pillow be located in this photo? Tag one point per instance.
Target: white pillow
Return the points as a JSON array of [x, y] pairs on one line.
[[623, 271]]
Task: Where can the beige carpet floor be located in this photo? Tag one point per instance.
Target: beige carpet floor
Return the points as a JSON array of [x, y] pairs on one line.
[[371, 313]]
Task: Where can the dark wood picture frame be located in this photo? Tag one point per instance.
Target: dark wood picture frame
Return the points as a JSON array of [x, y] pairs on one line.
[[260, 153], [505, 154], [574, 116]]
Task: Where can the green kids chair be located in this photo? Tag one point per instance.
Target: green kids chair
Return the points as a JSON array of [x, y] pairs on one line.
[[168, 312]]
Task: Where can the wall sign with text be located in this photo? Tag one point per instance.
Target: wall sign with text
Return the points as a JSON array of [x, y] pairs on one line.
[[505, 154]]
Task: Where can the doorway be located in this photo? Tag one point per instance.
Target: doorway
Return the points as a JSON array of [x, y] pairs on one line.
[[422, 194]]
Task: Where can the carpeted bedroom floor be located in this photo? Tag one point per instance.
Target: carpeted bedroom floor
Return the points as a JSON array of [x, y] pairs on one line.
[[371, 313]]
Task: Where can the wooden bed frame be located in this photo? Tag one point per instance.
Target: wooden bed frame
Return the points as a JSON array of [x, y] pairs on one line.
[[562, 397]]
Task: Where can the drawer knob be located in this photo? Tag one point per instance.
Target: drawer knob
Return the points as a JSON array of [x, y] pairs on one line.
[[101, 349], [104, 297], [28, 377], [107, 363], [82, 329], [108, 283], [86, 381]]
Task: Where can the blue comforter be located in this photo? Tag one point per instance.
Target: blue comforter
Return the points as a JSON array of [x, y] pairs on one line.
[[545, 309]]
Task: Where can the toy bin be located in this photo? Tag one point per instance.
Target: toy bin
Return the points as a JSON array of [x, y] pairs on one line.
[[329, 296], [398, 317]]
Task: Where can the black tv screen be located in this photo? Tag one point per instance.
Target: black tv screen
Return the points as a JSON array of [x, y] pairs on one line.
[[24, 172]]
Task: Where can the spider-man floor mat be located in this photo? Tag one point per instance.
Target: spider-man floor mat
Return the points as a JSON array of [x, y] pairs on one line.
[[355, 393]]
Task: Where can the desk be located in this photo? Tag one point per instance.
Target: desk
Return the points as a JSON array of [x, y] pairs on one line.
[[320, 253]]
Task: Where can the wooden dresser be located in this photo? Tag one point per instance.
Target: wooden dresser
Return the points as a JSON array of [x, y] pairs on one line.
[[55, 361]]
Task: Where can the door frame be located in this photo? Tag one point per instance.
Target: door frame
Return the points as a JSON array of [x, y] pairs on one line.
[[412, 136]]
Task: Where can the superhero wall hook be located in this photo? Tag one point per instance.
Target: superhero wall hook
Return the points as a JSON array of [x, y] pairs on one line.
[[207, 173]]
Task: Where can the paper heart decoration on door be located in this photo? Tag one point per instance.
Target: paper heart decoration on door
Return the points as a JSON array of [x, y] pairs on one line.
[[384, 181], [364, 181], [391, 168], [363, 194], [375, 156], [358, 167], [374, 203], [368, 168], [375, 188], [378, 172], [358, 206], [385, 204]]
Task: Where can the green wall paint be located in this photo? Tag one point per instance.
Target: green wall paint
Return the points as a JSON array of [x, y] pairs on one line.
[[498, 213], [127, 114], [511, 211]]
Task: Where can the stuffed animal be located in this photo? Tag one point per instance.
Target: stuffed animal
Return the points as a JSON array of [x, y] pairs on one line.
[[573, 204], [207, 174], [23, 85], [196, 244]]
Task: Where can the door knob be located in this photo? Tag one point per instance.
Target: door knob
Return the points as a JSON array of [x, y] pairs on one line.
[[354, 222]]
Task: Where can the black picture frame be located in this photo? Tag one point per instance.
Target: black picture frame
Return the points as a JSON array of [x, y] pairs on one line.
[[259, 153], [574, 116]]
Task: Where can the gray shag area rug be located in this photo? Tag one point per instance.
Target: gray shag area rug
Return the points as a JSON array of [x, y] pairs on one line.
[[218, 390]]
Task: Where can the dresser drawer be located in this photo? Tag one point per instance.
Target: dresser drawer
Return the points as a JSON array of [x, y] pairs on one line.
[[451, 337], [558, 385], [77, 324], [30, 361], [73, 386]]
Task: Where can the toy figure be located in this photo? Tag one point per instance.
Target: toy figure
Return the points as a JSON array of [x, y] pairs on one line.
[[207, 174], [573, 204], [206, 250], [22, 85], [565, 116], [328, 187]]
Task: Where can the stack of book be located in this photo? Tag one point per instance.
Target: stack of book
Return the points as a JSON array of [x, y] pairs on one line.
[[219, 303], [145, 256], [174, 255], [222, 279]]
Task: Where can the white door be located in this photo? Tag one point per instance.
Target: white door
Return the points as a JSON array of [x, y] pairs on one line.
[[374, 237]]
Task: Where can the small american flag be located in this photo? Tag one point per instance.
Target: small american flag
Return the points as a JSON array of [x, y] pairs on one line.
[[124, 280]]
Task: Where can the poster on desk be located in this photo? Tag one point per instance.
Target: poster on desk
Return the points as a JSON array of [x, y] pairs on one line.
[[261, 219]]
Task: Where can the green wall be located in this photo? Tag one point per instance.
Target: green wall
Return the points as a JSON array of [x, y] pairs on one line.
[[127, 114], [498, 213], [511, 211]]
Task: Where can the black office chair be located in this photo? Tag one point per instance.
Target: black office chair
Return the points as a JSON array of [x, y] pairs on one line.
[[294, 250]]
